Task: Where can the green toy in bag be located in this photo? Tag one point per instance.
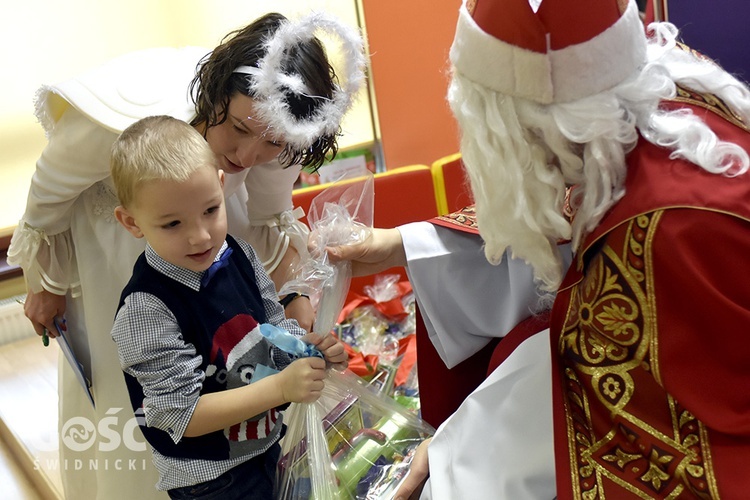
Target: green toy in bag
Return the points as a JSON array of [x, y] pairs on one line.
[[360, 449], [389, 442]]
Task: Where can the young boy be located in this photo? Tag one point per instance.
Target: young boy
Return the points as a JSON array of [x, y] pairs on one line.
[[187, 330]]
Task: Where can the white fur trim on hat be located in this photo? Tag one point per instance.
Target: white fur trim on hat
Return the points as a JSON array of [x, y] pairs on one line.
[[269, 83], [243, 347], [557, 76]]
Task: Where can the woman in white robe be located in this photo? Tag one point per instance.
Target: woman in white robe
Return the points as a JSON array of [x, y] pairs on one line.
[[76, 258]]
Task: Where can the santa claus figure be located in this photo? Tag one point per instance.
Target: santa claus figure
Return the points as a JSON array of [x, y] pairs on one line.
[[638, 389]]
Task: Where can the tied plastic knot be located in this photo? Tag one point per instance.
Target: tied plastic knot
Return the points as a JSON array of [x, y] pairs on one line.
[[288, 342]]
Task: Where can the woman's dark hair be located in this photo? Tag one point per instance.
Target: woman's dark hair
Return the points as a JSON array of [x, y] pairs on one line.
[[215, 83]]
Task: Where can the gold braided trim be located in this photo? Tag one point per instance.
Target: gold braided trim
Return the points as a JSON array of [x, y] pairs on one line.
[[465, 219], [707, 101], [610, 358]]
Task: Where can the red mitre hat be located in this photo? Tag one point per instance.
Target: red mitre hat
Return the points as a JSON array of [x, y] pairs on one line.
[[563, 51]]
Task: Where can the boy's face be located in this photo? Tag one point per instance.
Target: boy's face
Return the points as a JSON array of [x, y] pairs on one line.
[[184, 222]]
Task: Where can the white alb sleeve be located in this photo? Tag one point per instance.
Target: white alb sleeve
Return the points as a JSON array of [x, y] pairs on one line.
[[464, 300], [499, 443], [76, 157]]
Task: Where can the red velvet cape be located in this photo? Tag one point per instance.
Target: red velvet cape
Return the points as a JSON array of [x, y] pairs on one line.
[[650, 330]]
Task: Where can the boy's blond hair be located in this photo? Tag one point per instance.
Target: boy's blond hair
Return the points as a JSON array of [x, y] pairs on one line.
[[156, 148]]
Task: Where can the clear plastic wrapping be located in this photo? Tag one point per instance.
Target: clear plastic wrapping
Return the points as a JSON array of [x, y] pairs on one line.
[[339, 215], [353, 443]]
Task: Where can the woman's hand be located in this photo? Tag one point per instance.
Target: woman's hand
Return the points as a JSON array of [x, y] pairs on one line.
[[42, 308], [419, 471], [382, 250]]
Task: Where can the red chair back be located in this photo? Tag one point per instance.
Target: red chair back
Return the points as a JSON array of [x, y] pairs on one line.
[[452, 188]]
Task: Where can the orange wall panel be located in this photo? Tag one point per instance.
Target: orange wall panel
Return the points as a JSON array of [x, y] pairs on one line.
[[409, 43]]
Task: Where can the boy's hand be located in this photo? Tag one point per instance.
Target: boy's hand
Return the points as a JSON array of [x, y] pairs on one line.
[[302, 380], [331, 347]]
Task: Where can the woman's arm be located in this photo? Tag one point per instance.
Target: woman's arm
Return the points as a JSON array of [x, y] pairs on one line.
[[274, 311], [76, 157], [260, 212], [300, 307]]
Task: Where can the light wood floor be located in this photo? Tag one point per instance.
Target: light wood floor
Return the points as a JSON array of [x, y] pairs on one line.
[[15, 484], [28, 419]]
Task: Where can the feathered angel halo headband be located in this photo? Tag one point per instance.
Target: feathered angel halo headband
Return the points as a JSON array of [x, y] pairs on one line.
[[269, 83]]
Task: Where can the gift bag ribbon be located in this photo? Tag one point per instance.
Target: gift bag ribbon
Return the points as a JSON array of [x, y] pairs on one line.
[[287, 343], [392, 309], [365, 365]]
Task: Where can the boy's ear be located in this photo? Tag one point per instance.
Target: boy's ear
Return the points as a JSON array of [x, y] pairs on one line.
[[221, 178], [128, 221]]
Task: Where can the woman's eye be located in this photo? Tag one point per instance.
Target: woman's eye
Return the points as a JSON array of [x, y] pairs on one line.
[[239, 130]]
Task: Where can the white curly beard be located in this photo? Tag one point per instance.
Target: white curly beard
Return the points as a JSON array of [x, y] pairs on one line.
[[519, 195]]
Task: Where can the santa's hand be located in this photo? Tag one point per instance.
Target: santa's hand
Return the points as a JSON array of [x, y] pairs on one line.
[[302, 380], [331, 347], [419, 471], [382, 250]]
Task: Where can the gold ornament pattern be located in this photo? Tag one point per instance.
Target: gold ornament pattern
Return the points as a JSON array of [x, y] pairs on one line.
[[609, 355], [465, 218]]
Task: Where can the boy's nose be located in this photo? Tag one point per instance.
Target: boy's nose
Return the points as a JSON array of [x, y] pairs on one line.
[[199, 234]]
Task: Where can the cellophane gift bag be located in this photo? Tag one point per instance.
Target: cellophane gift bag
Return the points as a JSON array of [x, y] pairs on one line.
[[352, 443], [339, 215]]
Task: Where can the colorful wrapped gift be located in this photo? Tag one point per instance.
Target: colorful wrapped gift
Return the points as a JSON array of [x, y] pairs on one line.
[[360, 448], [378, 331]]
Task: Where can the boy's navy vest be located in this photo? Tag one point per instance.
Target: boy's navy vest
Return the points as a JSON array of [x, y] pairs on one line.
[[231, 292]]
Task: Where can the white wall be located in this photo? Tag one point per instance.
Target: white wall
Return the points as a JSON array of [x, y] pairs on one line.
[[46, 41]]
